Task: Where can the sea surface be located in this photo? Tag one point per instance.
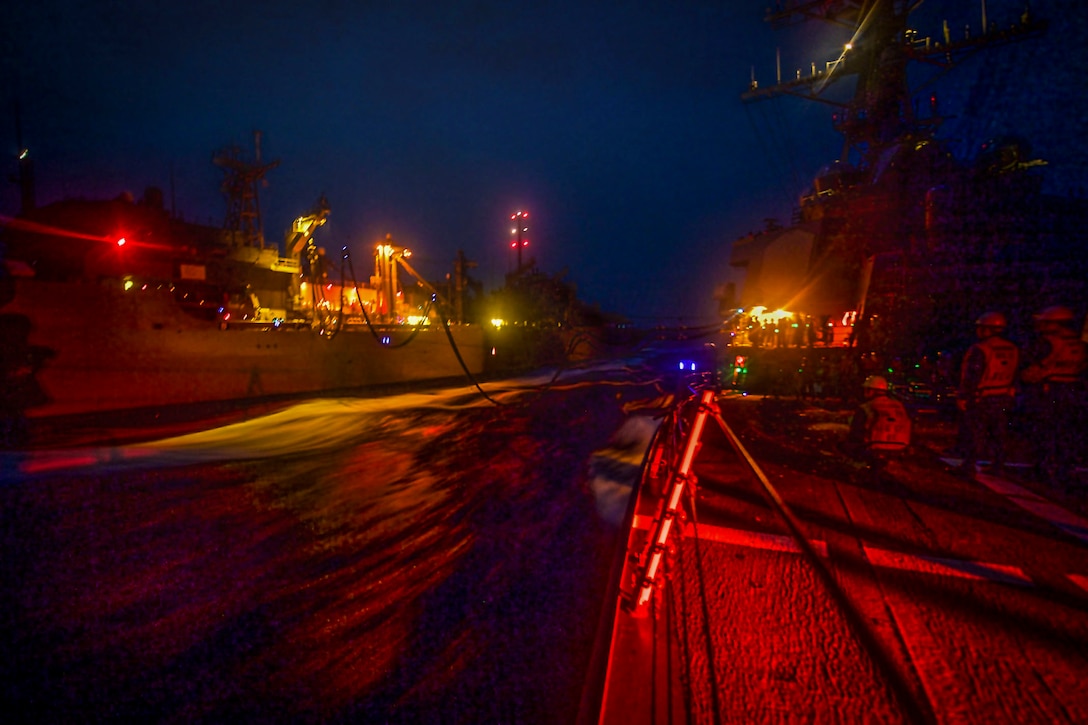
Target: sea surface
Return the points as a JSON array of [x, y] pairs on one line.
[[432, 557]]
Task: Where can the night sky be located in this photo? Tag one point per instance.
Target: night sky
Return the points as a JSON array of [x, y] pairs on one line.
[[619, 126]]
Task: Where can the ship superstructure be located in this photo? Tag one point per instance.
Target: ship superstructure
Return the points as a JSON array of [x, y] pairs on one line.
[[899, 240]]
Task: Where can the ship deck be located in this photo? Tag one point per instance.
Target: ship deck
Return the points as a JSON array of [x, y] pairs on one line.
[[797, 586]]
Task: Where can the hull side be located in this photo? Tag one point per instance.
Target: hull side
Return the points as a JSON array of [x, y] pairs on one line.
[[105, 349]]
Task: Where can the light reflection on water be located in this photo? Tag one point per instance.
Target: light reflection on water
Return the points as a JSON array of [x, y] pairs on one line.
[[310, 426], [305, 427], [342, 559]]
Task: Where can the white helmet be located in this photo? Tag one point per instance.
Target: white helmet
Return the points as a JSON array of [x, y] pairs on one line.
[[875, 382], [1056, 313], [994, 320]]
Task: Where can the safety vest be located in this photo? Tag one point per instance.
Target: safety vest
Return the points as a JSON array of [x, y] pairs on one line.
[[1002, 358], [888, 426], [1066, 360]]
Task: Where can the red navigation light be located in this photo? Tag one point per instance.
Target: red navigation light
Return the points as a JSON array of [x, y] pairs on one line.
[[518, 231], [121, 241]]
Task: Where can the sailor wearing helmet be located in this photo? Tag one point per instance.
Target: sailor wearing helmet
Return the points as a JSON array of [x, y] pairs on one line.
[[987, 392], [880, 428], [1055, 382]]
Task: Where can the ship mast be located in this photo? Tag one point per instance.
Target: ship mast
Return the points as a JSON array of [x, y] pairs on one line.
[[240, 187], [881, 110]]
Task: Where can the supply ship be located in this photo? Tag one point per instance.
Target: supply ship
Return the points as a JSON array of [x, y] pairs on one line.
[[113, 306], [909, 235]]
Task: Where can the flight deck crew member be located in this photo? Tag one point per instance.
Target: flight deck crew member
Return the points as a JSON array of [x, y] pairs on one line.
[[880, 428], [987, 392], [1054, 378]]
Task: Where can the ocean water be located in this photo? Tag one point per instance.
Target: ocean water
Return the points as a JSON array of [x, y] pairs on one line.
[[417, 558]]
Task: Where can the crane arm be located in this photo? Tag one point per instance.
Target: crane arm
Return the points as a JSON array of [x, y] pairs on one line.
[[302, 231], [423, 283]]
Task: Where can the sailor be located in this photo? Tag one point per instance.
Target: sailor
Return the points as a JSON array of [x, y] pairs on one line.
[[987, 393], [1054, 377], [880, 428]]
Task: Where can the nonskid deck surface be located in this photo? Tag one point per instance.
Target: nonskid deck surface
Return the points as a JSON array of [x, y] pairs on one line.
[[912, 594]]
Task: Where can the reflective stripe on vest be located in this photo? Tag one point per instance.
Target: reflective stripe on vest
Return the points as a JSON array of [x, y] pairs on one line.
[[999, 373], [889, 425]]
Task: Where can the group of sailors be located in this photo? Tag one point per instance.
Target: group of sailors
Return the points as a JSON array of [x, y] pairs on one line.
[[1049, 372], [790, 331], [1045, 380]]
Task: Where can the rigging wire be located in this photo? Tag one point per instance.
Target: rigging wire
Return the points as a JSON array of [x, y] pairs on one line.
[[679, 603], [330, 329], [572, 346], [916, 706], [690, 494], [708, 630], [672, 436], [366, 318], [669, 436]]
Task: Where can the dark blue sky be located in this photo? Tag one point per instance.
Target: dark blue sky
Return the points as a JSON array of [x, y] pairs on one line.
[[618, 125]]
